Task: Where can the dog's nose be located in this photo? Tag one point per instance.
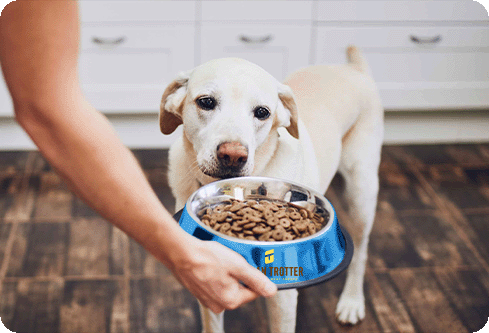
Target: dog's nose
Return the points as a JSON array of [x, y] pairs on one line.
[[232, 154]]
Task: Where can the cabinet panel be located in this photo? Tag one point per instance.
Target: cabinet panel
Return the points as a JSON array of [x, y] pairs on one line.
[[130, 68], [279, 49]]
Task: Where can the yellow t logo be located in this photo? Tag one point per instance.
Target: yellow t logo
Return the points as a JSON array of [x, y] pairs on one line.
[[269, 257]]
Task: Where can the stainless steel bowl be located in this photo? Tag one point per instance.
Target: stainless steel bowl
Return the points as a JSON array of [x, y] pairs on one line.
[[290, 264]]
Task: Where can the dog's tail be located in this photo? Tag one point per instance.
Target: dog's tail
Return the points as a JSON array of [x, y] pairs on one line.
[[356, 59]]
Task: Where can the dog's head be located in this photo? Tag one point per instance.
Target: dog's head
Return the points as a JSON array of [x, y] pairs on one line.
[[228, 108]]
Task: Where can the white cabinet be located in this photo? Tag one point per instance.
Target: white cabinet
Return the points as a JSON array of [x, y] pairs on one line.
[[424, 54]]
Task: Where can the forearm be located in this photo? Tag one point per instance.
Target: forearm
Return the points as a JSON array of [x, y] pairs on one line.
[[83, 147]]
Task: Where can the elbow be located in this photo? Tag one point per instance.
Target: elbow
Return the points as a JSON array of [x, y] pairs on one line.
[[31, 117]]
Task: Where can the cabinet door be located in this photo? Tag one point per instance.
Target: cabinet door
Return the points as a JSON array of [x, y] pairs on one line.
[[418, 67], [126, 68], [279, 49]]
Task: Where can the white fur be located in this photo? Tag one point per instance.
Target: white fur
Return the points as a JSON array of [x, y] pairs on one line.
[[340, 128]]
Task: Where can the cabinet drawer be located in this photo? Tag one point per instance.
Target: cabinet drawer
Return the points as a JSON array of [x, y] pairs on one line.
[[415, 67], [279, 49], [402, 10], [127, 68], [134, 11], [409, 54]]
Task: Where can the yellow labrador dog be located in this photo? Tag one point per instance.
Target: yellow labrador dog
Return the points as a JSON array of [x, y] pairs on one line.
[[240, 121]]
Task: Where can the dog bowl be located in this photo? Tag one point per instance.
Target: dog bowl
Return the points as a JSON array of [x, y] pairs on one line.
[[289, 264]]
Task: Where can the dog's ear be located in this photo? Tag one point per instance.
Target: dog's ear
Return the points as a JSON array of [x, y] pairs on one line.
[[172, 103], [287, 110]]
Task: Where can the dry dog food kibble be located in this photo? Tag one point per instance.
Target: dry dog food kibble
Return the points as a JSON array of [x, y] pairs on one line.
[[262, 220]]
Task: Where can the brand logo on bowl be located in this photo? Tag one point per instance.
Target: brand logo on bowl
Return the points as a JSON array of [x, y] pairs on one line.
[[279, 273], [269, 256]]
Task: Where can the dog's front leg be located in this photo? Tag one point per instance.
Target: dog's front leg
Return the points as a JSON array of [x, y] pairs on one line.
[[362, 184], [282, 311], [211, 322]]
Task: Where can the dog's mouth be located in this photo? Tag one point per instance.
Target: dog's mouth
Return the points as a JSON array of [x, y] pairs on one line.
[[224, 172]]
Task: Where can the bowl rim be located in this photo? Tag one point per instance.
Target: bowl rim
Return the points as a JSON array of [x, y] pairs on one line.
[[328, 206]]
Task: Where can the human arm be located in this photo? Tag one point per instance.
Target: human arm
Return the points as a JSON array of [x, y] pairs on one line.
[[38, 52]]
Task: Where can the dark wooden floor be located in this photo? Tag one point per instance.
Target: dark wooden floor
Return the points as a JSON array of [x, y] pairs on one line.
[[64, 269]]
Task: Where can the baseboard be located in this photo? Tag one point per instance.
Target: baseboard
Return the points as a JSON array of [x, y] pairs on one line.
[[436, 127], [142, 130]]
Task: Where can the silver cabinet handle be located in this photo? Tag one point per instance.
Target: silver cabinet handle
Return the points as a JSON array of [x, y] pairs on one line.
[[255, 40], [420, 40], [109, 41]]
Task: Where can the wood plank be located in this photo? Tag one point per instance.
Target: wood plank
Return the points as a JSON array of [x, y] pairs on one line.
[[428, 307], [13, 161], [467, 295], [430, 154], [119, 243], [402, 189], [4, 235], [88, 252], [466, 154], [403, 156], [6, 196], [40, 249], [451, 183], [119, 317], [479, 233], [162, 305], [37, 306], [22, 206], [436, 242], [8, 298], [87, 306], [483, 150], [390, 245], [388, 306], [19, 249], [54, 199]]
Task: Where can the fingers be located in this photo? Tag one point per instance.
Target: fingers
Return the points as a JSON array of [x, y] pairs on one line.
[[254, 279], [234, 296]]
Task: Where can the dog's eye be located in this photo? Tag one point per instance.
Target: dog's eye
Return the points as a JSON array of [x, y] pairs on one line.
[[261, 113], [206, 103]]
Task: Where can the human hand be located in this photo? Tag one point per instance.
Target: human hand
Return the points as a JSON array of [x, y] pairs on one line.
[[213, 272]]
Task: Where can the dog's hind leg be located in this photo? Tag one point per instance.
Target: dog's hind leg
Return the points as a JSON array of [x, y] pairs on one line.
[[359, 166], [211, 322], [282, 311]]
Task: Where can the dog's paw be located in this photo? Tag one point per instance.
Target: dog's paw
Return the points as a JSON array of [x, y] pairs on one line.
[[350, 310]]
